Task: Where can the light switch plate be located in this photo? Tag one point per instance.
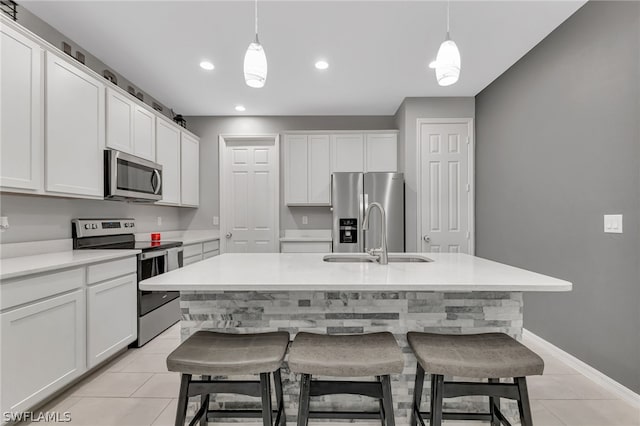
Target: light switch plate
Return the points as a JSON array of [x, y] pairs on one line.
[[159, 222], [4, 223], [216, 220], [613, 223], [305, 220]]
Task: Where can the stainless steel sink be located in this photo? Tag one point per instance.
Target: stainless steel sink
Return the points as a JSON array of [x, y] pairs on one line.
[[393, 258], [349, 258], [365, 258]]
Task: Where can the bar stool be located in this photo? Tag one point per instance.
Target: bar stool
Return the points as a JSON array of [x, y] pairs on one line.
[[489, 356], [207, 353], [376, 355]]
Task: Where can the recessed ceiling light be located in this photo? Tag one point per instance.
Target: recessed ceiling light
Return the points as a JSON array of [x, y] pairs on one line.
[[240, 108], [322, 65], [206, 65]]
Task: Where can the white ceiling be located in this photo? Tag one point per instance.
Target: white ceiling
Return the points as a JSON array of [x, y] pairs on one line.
[[378, 50]]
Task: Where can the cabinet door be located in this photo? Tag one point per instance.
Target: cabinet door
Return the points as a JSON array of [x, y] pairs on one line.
[[319, 170], [295, 174], [43, 349], [21, 114], [144, 133], [119, 121], [111, 317], [75, 130], [189, 171], [381, 152], [348, 152], [168, 155]]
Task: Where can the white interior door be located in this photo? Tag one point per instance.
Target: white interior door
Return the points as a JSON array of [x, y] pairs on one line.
[[446, 187], [250, 194]]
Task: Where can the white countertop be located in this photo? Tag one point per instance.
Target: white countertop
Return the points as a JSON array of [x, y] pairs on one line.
[[307, 271], [14, 267]]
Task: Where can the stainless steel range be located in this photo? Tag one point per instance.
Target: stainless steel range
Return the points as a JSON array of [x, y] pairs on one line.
[[157, 310]]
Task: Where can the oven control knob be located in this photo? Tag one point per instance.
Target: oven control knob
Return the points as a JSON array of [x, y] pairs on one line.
[[126, 225], [87, 226], [94, 226], [131, 225]]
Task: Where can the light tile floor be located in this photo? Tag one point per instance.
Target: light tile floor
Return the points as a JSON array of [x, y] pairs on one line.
[[135, 389]]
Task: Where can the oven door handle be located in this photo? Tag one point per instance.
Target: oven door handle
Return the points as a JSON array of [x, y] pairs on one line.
[[153, 254]]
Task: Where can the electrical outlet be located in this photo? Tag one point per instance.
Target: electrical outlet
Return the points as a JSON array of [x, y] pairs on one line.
[[4, 223], [613, 223], [216, 220], [159, 220], [305, 220]]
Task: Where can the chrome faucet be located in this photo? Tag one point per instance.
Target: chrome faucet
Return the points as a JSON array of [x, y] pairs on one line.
[[381, 252]]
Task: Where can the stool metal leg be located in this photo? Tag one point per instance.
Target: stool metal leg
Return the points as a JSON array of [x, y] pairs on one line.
[[494, 402], [437, 387], [523, 403], [265, 391], [417, 394], [204, 402], [303, 405], [183, 399], [277, 382], [388, 401], [381, 403]]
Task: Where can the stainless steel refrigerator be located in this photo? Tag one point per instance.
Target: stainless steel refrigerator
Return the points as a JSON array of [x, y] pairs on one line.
[[351, 193]]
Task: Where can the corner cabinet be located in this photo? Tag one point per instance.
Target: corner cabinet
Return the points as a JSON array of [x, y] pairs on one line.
[[307, 160], [75, 130], [189, 170], [21, 115], [168, 155]]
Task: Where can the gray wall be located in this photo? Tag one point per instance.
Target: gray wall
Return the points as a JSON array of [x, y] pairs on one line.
[[406, 120], [34, 218], [208, 128], [558, 146]]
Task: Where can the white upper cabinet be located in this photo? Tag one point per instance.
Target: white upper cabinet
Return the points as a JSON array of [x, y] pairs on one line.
[[144, 133], [296, 169], [307, 170], [21, 114], [75, 130], [168, 156], [381, 152], [348, 152], [189, 171], [119, 121], [319, 170], [130, 127]]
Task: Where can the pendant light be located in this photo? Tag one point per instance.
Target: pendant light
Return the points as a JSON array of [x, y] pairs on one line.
[[447, 63], [255, 60]]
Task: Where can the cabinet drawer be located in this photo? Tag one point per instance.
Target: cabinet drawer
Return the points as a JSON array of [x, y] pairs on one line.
[[24, 290], [209, 254], [192, 250], [112, 269], [305, 247], [192, 259], [211, 246]]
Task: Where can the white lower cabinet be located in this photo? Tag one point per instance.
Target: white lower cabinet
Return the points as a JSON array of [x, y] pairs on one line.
[[43, 349], [199, 251], [111, 317], [305, 247]]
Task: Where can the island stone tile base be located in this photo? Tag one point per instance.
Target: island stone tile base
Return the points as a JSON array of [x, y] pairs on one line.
[[355, 312]]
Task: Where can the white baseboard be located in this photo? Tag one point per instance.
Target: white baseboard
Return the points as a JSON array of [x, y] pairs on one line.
[[585, 369]]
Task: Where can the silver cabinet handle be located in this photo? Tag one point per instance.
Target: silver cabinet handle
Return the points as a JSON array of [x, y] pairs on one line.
[[229, 235], [426, 239]]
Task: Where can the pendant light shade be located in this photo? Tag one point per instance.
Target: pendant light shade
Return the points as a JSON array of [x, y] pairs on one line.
[[255, 60], [255, 65], [447, 63]]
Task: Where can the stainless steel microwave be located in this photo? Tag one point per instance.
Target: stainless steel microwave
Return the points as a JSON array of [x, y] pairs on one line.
[[131, 178]]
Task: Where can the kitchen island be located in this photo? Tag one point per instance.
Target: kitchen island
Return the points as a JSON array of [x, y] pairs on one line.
[[455, 293]]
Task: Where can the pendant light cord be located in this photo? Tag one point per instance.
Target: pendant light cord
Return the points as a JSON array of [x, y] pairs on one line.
[[448, 5], [256, 13]]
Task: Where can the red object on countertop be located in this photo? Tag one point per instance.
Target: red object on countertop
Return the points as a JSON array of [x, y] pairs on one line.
[[155, 236]]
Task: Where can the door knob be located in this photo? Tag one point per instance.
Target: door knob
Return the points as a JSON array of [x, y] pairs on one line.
[[426, 239], [229, 235]]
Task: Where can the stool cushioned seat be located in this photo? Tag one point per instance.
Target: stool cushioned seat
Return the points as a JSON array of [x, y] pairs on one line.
[[211, 353], [358, 355], [494, 355]]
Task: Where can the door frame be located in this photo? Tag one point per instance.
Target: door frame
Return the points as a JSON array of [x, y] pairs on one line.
[[471, 170], [223, 140]]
